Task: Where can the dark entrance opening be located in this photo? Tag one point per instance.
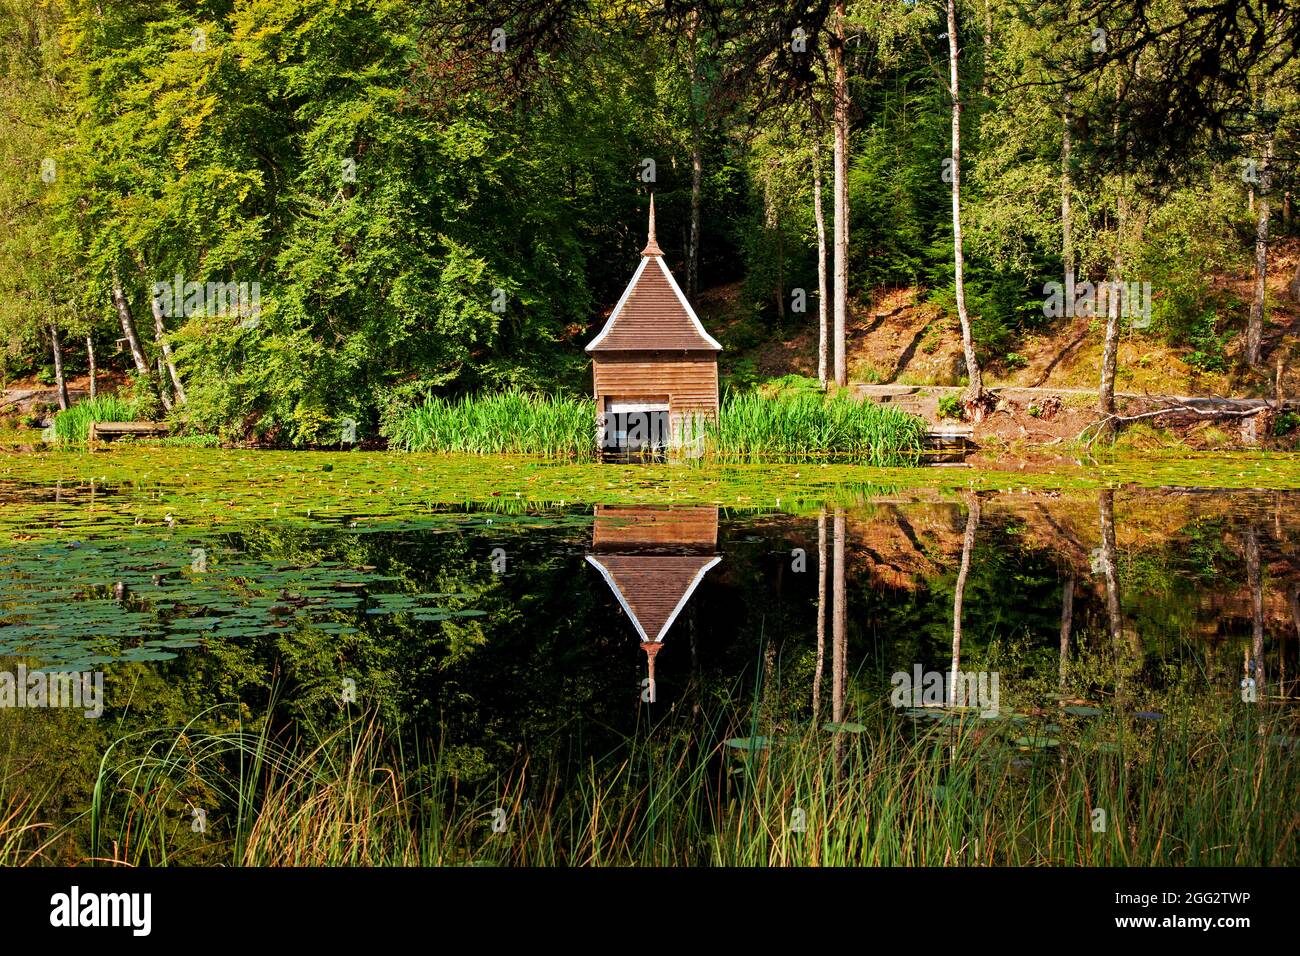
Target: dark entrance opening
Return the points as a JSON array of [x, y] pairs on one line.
[[635, 428]]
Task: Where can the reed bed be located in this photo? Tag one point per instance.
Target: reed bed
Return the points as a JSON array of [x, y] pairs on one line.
[[882, 792], [512, 422], [791, 427], [23, 841], [808, 426], [72, 425]]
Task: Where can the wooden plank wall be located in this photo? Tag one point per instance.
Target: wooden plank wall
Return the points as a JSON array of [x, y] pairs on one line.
[[624, 529], [690, 381]]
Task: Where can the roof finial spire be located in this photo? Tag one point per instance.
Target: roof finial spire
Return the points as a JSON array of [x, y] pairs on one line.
[[651, 246], [651, 648]]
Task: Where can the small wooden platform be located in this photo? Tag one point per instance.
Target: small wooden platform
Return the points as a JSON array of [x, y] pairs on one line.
[[949, 437], [107, 431]]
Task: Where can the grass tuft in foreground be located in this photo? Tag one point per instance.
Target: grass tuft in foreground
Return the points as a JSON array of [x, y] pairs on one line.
[[888, 791]]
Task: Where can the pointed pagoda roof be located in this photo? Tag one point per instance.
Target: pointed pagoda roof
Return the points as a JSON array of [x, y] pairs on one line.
[[653, 559], [653, 589], [653, 314]]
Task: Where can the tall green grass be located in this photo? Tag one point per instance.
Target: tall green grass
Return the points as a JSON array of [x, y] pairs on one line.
[[791, 427], [881, 792], [808, 426], [73, 424], [512, 422]]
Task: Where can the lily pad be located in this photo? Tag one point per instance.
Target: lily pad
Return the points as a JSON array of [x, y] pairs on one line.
[[847, 727]]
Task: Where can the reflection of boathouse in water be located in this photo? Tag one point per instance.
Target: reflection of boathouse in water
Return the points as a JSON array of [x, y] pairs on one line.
[[653, 559]]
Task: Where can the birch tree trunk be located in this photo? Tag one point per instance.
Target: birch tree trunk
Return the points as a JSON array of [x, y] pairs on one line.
[[693, 251], [839, 622], [841, 161], [1255, 324], [988, 48], [1110, 349], [959, 592], [90, 364], [975, 398], [1110, 568], [164, 392], [697, 170], [60, 383], [128, 331], [821, 615], [1067, 219], [1255, 582], [780, 274], [820, 215], [160, 335]]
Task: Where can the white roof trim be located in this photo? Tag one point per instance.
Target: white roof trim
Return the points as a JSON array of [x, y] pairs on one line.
[[658, 638], [613, 586], [609, 323], [685, 597], [668, 274]]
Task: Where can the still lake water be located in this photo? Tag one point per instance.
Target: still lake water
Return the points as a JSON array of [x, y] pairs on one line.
[[529, 636]]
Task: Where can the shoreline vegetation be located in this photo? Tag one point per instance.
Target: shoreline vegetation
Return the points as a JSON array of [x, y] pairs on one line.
[[923, 787], [795, 427], [197, 487]]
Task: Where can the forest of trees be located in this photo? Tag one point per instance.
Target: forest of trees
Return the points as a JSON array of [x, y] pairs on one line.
[[275, 215]]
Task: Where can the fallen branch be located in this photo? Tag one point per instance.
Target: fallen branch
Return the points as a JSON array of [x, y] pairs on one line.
[[1180, 409]]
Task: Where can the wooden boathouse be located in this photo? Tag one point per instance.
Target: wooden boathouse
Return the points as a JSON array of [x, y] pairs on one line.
[[655, 368]]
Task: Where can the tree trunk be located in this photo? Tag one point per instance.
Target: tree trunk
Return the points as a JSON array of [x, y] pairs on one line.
[[1255, 582], [1067, 622], [697, 170], [60, 383], [780, 276], [129, 332], [960, 593], [1295, 620], [1255, 325], [839, 622], [988, 48], [160, 335], [841, 162], [821, 616], [693, 253], [822, 338], [1067, 220], [1110, 350], [90, 364], [1109, 566], [975, 399], [164, 392]]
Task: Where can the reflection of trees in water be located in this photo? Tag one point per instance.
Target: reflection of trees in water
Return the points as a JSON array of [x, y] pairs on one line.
[[1067, 624], [1257, 610], [550, 673], [959, 590]]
